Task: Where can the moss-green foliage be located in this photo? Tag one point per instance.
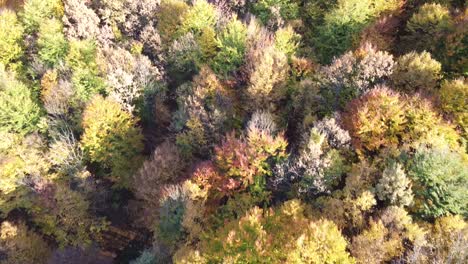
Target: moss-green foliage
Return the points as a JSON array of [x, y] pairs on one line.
[[51, 42], [344, 22], [199, 16], [287, 41], [36, 11], [19, 112], [111, 138], [11, 37], [416, 72], [439, 179], [81, 58], [427, 26], [232, 47], [267, 10]]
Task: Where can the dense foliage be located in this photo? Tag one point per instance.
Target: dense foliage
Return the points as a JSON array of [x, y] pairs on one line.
[[216, 131]]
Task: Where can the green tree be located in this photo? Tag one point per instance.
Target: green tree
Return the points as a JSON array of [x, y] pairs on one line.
[[51, 42], [36, 11], [19, 112], [232, 47], [344, 22], [267, 10], [199, 16], [440, 177], [11, 37], [112, 138]]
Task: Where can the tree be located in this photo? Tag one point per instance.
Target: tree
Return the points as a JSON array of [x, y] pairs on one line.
[[427, 27], [232, 46], [453, 96], [198, 17], [86, 76], [274, 12], [394, 187], [81, 22], [320, 163], [383, 118], [22, 245], [169, 17], [127, 76], [37, 11], [439, 177], [51, 42], [269, 71], [416, 72], [164, 167], [374, 245], [283, 234], [19, 113], [353, 74], [11, 36], [344, 21], [111, 138]]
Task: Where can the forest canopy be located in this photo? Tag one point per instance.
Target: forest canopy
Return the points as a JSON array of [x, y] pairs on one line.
[[218, 131]]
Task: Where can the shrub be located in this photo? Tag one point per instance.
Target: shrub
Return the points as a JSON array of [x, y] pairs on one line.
[[111, 138], [11, 36], [416, 72], [21, 245], [232, 47], [427, 26], [453, 96], [394, 187], [51, 42], [19, 112], [37, 11], [439, 177]]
